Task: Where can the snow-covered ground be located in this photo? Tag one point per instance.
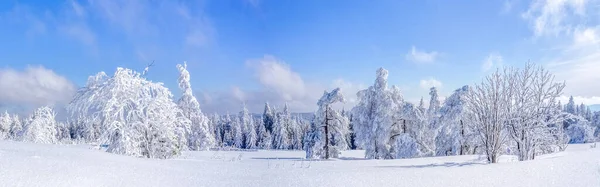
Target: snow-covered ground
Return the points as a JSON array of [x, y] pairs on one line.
[[27, 164]]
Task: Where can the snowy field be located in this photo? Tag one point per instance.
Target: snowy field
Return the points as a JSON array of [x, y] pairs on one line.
[[26, 164]]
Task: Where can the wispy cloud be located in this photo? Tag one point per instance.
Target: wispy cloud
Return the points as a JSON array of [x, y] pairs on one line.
[[507, 6], [426, 84], [553, 17], [418, 56], [144, 25], [23, 15], [253, 3], [492, 60], [279, 85], [571, 25]]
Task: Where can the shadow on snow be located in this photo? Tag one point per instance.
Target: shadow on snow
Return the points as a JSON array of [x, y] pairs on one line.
[[446, 164]]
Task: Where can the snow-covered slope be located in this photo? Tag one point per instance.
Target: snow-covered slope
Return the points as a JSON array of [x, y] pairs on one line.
[[26, 164]]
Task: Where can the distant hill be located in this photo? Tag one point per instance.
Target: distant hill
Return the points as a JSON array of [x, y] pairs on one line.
[[595, 107]]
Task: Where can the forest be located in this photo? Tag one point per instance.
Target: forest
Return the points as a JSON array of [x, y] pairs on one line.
[[513, 111]]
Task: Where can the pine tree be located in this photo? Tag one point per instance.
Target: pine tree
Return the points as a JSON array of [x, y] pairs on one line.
[[434, 103], [248, 129], [198, 133], [327, 137], [268, 117], [422, 106], [264, 137], [16, 127], [280, 129], [570, 107], [5, 125]]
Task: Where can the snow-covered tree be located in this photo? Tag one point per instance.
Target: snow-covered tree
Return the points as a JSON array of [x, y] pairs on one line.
[[40, 127], [16, 127], [327, 138], [198, 134], [248, 129], [421, 106], [263, 136], [268, 118], [455, 137], [487, 105], [63, 133], [280, 129], [570, 106], [532, 108], [374, 117], [295, 134], [135, 116], [434, 102], [578, 129], [411, 133], [217, 129], [5, 125]]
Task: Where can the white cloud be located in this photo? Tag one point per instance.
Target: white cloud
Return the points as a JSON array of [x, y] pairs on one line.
[[421, 56], [430, 82], [279, 85], [34, 86], [492, 60], [553, 17], [586, 37], [579, 99], [572, 26], [277, 76]]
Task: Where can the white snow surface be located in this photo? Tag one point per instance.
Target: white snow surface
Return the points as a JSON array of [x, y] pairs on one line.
[[30, 164]]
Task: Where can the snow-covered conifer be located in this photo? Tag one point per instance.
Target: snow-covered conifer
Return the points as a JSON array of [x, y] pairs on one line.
[[280, 129], [248, 129], [434, 102], [327, 138], [268, 118], [16, 127], [570, 106], [199, 135], [5, 125]]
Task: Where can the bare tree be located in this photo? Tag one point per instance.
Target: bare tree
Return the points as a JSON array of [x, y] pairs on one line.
[[487, 105], [533, 109]]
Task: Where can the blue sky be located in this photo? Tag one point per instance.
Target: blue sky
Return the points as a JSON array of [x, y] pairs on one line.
[[252, 51]]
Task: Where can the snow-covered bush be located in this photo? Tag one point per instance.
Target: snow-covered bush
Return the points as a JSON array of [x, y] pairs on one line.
[[41, 126], [579, 130]]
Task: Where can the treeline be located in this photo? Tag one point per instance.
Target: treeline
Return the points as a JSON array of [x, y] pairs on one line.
[[512, 111]]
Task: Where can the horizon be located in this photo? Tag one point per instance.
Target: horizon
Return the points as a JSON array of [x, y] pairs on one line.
[[257, 51]]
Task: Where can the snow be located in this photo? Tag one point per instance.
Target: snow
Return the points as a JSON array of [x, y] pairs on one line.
[[29, 164]]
